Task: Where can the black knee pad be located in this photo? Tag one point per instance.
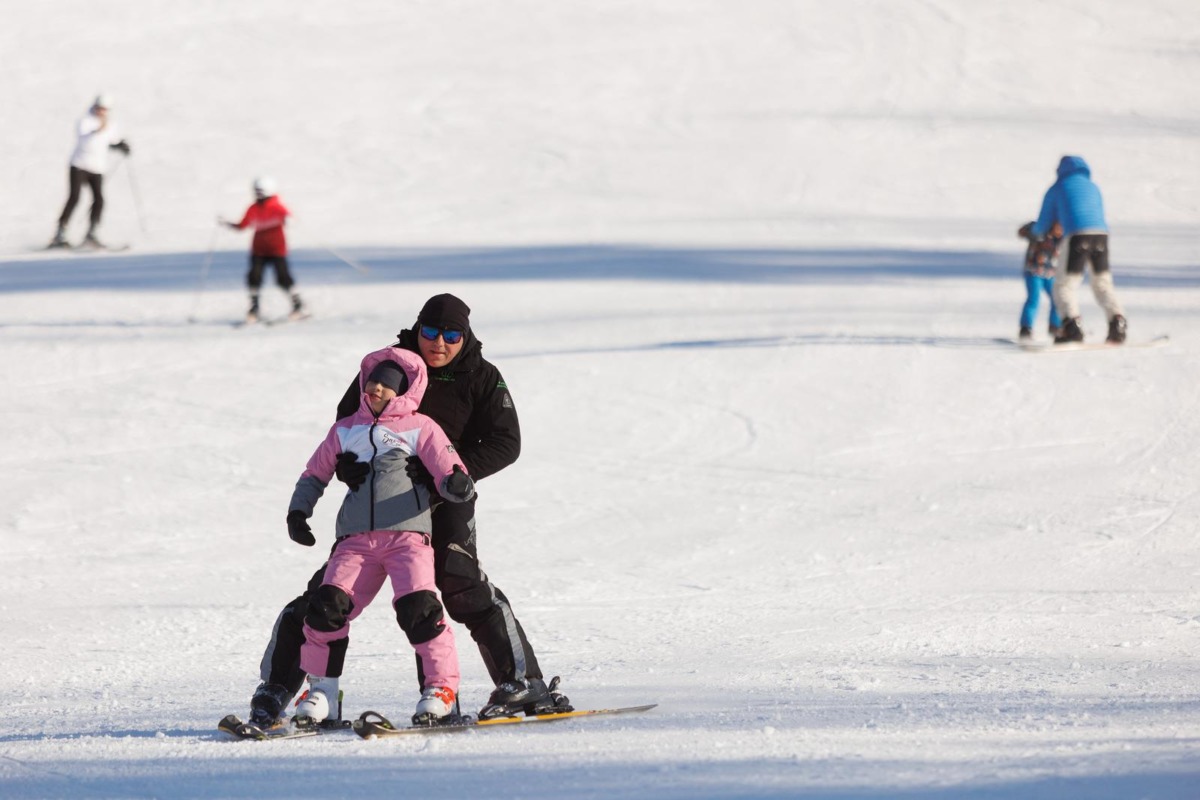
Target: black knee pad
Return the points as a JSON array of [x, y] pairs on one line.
[[327, 609], [420, 616]]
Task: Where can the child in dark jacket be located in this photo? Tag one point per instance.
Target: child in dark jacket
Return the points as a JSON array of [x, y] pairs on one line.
[[1041, 260], [383, 531]]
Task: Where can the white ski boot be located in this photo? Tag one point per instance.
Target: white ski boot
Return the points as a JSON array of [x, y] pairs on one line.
[[436, 703], [318, 702]]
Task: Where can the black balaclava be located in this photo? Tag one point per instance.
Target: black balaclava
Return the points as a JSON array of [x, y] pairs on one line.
[[389, 374]]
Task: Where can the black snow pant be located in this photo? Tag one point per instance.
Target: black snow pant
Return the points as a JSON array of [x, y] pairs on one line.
[[467, 595], [1089, 248], [95, 182], [258, 264]]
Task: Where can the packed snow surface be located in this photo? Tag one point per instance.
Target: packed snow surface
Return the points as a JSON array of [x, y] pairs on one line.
[[746, 269]]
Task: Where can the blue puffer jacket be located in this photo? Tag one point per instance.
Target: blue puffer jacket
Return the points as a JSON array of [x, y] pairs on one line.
[[1073, 200]]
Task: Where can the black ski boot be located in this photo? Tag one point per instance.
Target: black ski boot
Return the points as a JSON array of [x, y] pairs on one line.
[[1025, 334], [556, 702], [1070, 331], [60, 239], [297, 311], [268, 703], [252, 316], [1053, 330], [528, 696], [1116, 330]]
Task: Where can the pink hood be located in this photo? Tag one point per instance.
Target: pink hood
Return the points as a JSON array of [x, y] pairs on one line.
[[414, 368]]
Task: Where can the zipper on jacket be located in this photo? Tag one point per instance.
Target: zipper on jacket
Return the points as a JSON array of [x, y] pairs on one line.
[[374, 455], [418, 495]]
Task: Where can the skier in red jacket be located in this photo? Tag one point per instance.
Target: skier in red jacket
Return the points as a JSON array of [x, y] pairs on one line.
[[267, 217]]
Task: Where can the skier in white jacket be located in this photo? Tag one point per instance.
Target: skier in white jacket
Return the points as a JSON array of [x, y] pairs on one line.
[[97, 134]]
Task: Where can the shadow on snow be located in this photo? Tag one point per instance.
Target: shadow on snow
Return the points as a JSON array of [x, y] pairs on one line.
[[279, 773], [226, 270]]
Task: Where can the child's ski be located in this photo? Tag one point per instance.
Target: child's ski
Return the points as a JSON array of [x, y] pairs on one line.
[[374, 725], [270, 322]]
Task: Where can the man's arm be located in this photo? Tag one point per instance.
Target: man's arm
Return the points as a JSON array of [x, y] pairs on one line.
[[1048, 215], [494, 432], [350, 400]]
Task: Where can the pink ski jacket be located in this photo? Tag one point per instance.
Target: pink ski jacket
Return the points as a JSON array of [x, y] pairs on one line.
[[388, 499]]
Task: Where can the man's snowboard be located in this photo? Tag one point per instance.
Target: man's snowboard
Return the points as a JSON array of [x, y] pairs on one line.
[[1047, 346], [372, 725]]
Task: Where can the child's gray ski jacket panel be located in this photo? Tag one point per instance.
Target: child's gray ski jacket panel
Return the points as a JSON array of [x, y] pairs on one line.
[[388, 499]]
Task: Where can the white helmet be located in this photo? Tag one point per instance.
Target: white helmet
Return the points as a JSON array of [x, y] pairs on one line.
[[103, 100], [264, 187]]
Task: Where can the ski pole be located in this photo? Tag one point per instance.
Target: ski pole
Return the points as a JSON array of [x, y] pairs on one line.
[[348, 262], [208, 259], [137, 196]]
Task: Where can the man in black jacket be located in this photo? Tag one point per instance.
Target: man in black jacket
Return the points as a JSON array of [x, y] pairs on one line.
[[467, 396]]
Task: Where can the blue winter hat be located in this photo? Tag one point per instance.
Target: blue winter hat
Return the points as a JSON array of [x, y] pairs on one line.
[[389, 374]]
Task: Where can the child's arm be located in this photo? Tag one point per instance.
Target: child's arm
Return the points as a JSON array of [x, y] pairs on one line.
[[438, 455], [247, 219], [310, 487]]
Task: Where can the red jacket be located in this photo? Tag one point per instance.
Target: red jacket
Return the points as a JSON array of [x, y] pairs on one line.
[[266, 217]]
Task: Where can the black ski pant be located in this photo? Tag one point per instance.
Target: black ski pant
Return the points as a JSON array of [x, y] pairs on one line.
[[75, 181], [467, 595], [258, 264]]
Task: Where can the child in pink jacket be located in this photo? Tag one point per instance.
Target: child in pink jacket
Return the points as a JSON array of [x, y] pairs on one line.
[[383, 531]]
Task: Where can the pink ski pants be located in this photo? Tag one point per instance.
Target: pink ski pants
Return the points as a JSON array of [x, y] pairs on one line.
[[358, 567]]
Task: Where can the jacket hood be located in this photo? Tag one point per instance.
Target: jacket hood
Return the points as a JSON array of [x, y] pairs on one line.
[[414, 370], [1073, 165]]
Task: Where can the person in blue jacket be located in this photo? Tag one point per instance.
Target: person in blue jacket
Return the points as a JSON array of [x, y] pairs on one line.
[[1074, 201]]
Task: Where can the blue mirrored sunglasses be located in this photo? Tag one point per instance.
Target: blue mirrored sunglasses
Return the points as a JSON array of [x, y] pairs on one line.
[[448, 336]]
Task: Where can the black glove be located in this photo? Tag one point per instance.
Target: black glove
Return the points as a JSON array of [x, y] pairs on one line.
[[459, 485], [1026, 232], [299, 530], [122, 145], [351, 471]]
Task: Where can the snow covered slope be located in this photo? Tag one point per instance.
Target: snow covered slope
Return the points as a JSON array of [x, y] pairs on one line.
[[632, 121], [744, 267]]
